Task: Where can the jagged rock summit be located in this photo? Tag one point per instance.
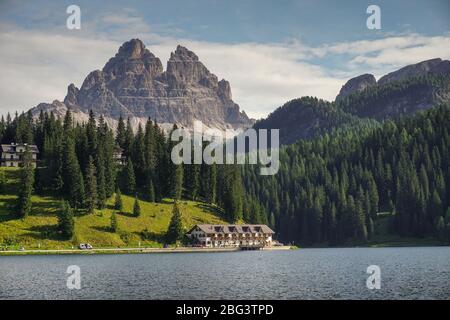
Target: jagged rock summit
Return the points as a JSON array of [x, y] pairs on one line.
[[134, 84]]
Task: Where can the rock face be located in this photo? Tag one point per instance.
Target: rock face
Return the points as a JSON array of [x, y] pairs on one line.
[[357, 84], [134, 84], [419, 69]]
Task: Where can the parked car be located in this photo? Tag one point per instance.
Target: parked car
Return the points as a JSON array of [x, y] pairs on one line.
[[85, 246]]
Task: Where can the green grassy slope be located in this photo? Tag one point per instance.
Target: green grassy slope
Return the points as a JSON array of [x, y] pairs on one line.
[[38, 229]]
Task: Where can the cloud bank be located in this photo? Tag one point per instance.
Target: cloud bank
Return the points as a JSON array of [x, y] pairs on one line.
[[38, 65]]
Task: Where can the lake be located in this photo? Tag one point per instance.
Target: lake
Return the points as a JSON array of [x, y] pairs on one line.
[[335, 273]]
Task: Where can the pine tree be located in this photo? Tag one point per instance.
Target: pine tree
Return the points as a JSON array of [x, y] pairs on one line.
[[91, 134], [138, 156], [129, 141], [136, 207], [25, 186], [129, 180], [176, 182], [110, 163], [232, 194], [211, 184], [151, 191], [66, 223], [175, 231], [118, 204], [121, 133], [73, 179], [91, 187], [191, 180], [114, 224], [101, 185]]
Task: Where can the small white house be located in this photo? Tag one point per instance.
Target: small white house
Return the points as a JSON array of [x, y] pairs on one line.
[[210, 235], [12, 154]]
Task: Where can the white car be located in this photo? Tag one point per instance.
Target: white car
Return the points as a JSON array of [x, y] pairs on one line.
[[85, 246]]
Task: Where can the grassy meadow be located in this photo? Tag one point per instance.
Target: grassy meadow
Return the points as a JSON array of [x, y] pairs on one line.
[[38, 230]]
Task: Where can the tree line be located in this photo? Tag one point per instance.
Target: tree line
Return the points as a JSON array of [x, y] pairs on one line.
[[332, 189], [79, 163]]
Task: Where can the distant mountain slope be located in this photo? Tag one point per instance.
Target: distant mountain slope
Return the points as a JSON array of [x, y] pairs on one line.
[[305, 118], [362, 100], [398, 97], [133, 84], [432, 66]]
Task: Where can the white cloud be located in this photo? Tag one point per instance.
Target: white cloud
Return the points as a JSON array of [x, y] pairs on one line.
[[37, 66]]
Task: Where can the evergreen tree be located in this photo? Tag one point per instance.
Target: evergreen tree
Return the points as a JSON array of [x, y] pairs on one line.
[[175, 231], [101, 185], [176, 182], [114, 224], [91, 134], [191, 180], [66, 223], [129, 180], [91, 187], [118, 204], [232, 194], [121, 133], [73, 179], [129, 141], [151, 191], [136, 207], [25, 186]]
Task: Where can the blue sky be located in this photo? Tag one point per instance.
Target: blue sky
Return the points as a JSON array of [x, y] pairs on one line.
[[285, 48]]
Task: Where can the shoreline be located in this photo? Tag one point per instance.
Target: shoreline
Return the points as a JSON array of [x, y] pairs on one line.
[[144, 250], [130, 250]]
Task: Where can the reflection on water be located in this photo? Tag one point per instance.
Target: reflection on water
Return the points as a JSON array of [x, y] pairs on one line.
[[406, 273]]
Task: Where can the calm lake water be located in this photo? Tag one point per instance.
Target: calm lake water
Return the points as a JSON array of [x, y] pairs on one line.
[[406, 273]]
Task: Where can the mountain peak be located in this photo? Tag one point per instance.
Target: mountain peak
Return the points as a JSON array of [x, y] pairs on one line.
[[356, 84], [133, 57], [133, 49], [133, 84], [183, 54], [418, 69]]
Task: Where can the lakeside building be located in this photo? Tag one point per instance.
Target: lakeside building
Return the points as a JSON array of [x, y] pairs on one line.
[[12, 154], [246, 235], [119, 158]]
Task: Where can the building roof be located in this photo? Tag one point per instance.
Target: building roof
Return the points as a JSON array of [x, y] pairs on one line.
[[11, 148], [233, 228]]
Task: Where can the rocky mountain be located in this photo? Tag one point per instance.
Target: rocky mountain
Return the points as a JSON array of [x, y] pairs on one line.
[[357, 84], [433, 66], [134, 84], [363, 100]]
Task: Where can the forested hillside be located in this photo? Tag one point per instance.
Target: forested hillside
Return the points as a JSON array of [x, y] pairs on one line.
[[397, 98], [309, 117], [77, 163], [331, 189]]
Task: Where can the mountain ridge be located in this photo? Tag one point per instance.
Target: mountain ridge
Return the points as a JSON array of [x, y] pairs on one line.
[[405, 91], [134, 84]]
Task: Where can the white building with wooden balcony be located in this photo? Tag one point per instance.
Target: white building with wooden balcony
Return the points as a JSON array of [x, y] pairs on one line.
[[246, 235], [12, 154]]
